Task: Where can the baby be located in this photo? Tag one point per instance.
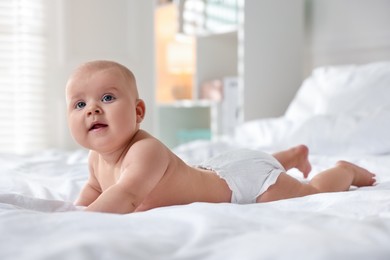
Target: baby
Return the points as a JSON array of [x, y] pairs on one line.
[[130, 170]]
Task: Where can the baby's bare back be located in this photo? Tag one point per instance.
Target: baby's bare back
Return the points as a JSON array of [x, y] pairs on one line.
[[184, 184]]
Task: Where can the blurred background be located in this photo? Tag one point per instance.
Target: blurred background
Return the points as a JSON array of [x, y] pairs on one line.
[[202, 66]]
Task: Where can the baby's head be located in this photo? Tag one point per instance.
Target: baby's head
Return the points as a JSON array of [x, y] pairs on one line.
[[103, 107], [91, 67]]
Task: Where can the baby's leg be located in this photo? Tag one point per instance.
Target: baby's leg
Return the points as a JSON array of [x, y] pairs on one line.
[[338, 178], [341, 177], [295, 157]]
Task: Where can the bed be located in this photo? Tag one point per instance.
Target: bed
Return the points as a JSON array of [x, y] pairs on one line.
[[340, 112]]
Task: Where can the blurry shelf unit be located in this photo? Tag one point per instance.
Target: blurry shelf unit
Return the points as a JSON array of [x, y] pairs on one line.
[[184, 60], [200, 115], [187, 108], [187, 120], [216, 58], [184, 121]]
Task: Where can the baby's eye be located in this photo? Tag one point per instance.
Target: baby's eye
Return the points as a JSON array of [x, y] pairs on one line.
[[108, 98], [80, 105]]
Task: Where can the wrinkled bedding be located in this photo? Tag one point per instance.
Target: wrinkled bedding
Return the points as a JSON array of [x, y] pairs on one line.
[[39, 221]]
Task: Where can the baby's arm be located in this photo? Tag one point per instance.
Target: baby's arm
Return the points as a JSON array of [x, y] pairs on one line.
[[143, 167], [91, 190], [87, 195]]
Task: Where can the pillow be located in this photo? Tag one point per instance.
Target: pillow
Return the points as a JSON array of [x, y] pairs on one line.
[[323, 134], [344, 133], [262, 133], [349, 89]]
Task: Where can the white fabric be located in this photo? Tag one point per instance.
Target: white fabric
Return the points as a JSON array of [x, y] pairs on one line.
[[324, 134], [347, 225], [248, 173], [349, 89]]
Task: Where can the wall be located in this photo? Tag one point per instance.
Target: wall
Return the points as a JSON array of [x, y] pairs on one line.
[[120, 30], [273, 55], [285, 40], [348, 31]]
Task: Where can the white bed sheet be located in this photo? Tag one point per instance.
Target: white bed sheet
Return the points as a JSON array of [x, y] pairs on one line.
[[39, 221]]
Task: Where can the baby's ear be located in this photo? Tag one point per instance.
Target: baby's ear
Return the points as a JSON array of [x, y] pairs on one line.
[[140, 110]]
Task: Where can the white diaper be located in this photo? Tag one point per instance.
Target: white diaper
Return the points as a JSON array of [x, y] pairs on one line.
[[248, 173]]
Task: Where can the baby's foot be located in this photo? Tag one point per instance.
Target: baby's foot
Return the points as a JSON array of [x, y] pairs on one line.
[[302, 163], [362, 177]]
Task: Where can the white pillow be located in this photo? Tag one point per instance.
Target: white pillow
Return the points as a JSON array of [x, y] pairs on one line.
[[324, 134], [344, 133], [349, 89], [263, 133]]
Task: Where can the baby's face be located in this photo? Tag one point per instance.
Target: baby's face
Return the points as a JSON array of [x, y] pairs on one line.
[[103, 109]]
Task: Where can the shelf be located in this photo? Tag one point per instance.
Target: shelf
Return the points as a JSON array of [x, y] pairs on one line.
[[185, 121]]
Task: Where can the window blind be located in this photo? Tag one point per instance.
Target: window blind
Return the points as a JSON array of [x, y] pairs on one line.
[[22, 76], [209, 16]]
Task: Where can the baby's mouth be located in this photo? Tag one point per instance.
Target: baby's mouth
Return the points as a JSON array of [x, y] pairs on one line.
[[97, 126]]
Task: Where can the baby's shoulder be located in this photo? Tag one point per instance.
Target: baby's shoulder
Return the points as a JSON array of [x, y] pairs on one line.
[[144, 140], [147, 145], [146, 154]]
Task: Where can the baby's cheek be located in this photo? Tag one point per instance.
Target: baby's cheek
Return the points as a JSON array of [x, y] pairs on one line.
[[75, 129]]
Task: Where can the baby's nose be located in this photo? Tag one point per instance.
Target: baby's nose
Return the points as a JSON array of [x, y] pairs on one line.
[[95, 110]]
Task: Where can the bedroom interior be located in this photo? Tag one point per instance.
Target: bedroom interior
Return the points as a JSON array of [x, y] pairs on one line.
[[300, 71]]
